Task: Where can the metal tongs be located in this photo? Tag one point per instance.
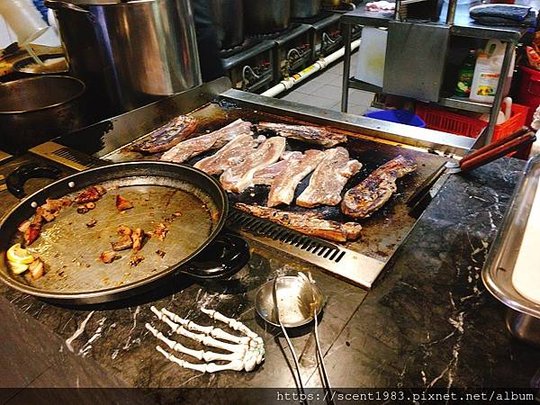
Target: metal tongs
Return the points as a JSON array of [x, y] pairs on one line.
[[480, 157], [309, 304]]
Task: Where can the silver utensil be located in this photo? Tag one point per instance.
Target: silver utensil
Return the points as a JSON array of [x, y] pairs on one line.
[[289, 343], [289, 302]]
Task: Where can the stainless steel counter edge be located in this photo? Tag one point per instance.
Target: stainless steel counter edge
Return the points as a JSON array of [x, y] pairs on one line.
[[399, 133]]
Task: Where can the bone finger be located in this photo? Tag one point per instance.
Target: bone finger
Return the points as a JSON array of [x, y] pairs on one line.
[[207, 330], [235, 365], [232, 323], [210, 341], [201, 338], [176, 346], [182, 363], [198, 354]]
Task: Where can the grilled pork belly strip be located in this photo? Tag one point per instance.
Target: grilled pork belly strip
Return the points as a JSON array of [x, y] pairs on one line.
[[230, 155], [283, 186], [214, 140], [312, 134], [329, 178], [237, 178], [374, 191], [307, 223], [267, 175], [167, 136]]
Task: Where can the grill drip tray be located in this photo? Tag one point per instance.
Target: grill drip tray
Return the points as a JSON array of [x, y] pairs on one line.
[[342, 262]]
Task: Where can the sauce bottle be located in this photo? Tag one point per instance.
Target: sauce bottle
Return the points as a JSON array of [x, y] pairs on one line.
[[465, 75]]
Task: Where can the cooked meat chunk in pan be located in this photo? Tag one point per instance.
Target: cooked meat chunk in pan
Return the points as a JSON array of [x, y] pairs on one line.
[[135, 260], [90, 194], [161, 231], [108, 256], [137, 237], [123, 204]]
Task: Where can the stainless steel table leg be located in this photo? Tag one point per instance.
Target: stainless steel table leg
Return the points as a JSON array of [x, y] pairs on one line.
[[347, 36], [509, 51]]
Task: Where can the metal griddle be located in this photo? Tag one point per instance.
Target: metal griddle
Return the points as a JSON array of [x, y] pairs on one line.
[[372, 142], [70, 249]]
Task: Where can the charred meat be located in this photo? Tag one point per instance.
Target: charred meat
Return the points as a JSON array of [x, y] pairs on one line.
[[90, 194], [124, 242], [108, 256], [91, 223], [374, 191], [36, 269], [232, 154], [84, 208], [52, 207], [237, 178], [161, 231], [214, 140], [284, 185], [311, 134], [135, 260], [329, 178], [137, 238], [167, 136], [32, 229], [307, 223], [160, 253], [123, 204]]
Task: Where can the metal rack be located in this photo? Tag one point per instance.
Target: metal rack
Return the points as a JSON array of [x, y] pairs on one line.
[[460, 25]]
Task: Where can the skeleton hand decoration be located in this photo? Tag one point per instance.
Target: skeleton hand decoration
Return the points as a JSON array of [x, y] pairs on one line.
[[245, 352]]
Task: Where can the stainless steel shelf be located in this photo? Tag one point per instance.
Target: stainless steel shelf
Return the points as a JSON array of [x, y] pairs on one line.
[[463, 24], [465, 104], [360, 85], [450, 102]]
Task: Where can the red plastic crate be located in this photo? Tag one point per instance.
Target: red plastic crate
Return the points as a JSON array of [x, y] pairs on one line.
[[454, 123]]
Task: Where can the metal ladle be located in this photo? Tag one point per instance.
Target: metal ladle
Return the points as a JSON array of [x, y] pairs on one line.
[[305, 303]]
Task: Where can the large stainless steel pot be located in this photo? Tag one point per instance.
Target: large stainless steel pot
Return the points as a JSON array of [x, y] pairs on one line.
[[129, 53], [37, 109], [228, 18], [266, 16], [305, 8]]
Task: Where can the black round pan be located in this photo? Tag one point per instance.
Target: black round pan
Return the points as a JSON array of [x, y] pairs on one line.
[[191, 204]]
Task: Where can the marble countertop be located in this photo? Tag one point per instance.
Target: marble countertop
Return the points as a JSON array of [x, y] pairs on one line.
[[428, 321]]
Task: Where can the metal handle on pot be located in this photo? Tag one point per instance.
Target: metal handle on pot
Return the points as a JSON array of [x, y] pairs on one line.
[[57, 5], [17, 178], [225, 256]]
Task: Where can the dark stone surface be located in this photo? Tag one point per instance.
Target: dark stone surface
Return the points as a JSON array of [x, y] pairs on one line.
[[428, 322]]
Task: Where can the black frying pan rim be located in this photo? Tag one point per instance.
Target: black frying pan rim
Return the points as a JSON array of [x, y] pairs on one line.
[[118, 291]]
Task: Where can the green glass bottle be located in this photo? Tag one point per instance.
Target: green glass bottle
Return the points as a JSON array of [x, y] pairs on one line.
[[465, 75]]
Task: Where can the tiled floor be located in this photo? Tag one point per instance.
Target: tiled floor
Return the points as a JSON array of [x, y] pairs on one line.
[[324, 90]]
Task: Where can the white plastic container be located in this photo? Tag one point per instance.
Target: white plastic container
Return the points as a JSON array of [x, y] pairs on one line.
[[488, 71], [24, 19]]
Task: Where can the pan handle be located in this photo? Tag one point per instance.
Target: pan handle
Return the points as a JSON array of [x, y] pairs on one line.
[[17, 178], [223, 257]]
